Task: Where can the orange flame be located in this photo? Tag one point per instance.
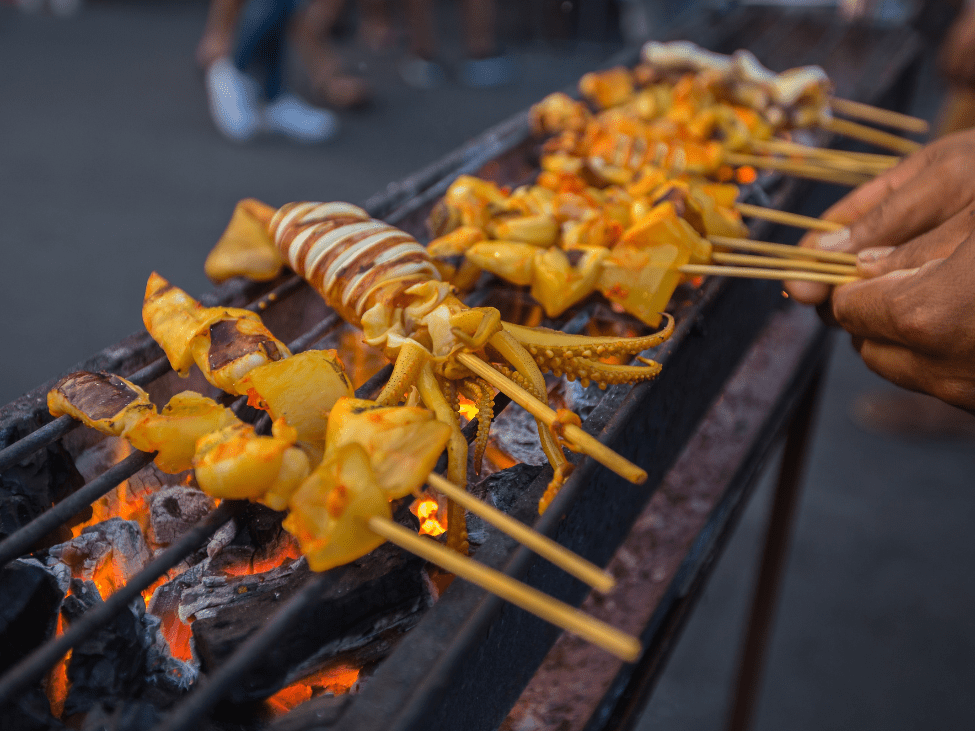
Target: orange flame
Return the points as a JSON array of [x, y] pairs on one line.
[[57, 680], [335, 680], [425, 509], [746, 175], [467, 408]]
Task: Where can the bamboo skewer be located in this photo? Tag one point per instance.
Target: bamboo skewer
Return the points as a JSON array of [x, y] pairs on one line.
[[771, 262], [624, 646], [786, 147], [784, 250], [798, 169], [868, 113], [874, 136], [583, 441], [756, 273], [789, 219], [542, 545]]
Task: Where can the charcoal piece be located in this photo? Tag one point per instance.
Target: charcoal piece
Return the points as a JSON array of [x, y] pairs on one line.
[[515, 433], [506, 487], [174, 510], [31, 711], [129, 716], [222, 538], [110, 662], [29, 488], [114, 540], [358, 605], [29, 601]]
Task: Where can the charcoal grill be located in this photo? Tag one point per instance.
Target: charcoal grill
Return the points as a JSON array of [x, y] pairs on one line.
[[739, 373]]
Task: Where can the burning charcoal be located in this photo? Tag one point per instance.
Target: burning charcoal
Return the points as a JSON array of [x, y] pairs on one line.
[[126, 661], [360, 608], [174, 510], [515, 433], [29, 601], [222, 538], [502, 489], [151, 480], [108, 663], [116, 544], [162, 669], [166, 598], [581, 400]]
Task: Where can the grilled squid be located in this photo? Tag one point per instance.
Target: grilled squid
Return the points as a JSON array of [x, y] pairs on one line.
[[381, 280]]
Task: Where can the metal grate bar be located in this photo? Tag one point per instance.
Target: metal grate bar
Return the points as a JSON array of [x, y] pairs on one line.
[[33, 667], [21, 541]]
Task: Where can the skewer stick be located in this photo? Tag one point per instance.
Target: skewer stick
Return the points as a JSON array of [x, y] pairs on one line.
[[624, 646], [789, 219], [786, 147], [585, 442], [783, 250], [874, 136], [771, 262], [544, 546], [753, 273], [798, 169], [869, 113]]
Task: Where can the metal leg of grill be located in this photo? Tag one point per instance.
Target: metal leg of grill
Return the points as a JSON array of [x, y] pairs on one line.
[[774, 556]]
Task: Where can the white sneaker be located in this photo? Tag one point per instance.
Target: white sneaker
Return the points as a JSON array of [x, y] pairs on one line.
[[299, 120], [232, 97]]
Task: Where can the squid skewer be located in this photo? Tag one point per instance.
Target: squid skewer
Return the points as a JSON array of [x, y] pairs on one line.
[[380, 279]]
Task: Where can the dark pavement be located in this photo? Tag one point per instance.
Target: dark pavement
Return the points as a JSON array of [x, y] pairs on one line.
[[110, 168]]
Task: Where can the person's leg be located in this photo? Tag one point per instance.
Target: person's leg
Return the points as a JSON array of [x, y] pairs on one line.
[[326, 77], [217, 40]]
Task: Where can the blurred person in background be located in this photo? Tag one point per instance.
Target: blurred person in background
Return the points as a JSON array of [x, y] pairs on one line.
[[484, 65], [245, 36]]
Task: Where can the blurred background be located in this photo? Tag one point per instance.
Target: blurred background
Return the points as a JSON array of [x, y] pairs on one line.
[[114, 163]]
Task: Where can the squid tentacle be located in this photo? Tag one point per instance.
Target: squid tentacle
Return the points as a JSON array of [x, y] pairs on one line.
[[512, 351], [406, 370], [434, 399], [481, 393]]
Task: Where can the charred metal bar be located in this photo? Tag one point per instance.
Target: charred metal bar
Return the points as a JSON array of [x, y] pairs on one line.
[[20, 542], [33, 667]]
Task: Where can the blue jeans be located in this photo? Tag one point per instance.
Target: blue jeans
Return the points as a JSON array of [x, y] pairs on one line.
[[261, 41]]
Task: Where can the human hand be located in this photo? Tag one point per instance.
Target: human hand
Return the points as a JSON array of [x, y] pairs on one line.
[[920, 210], [916, 327]]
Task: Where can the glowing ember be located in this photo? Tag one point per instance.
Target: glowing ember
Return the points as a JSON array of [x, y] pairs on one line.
[[467, 408], [746, 175], [425, 509], [57, 679], [335, 680]]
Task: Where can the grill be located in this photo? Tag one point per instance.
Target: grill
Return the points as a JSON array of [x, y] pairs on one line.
[[739, 374]]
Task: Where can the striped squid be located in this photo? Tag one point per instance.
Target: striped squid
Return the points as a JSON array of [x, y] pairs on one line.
[[380, 279]]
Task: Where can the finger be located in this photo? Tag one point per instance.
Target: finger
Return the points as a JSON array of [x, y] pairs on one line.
[[808, 293], [938, 243], [918, 372], [862, 200], [866, 308]]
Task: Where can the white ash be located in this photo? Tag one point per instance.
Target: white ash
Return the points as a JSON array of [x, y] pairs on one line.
[[213, 592], [114, 540], [174, 510], [222, 538], [60, 572]]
